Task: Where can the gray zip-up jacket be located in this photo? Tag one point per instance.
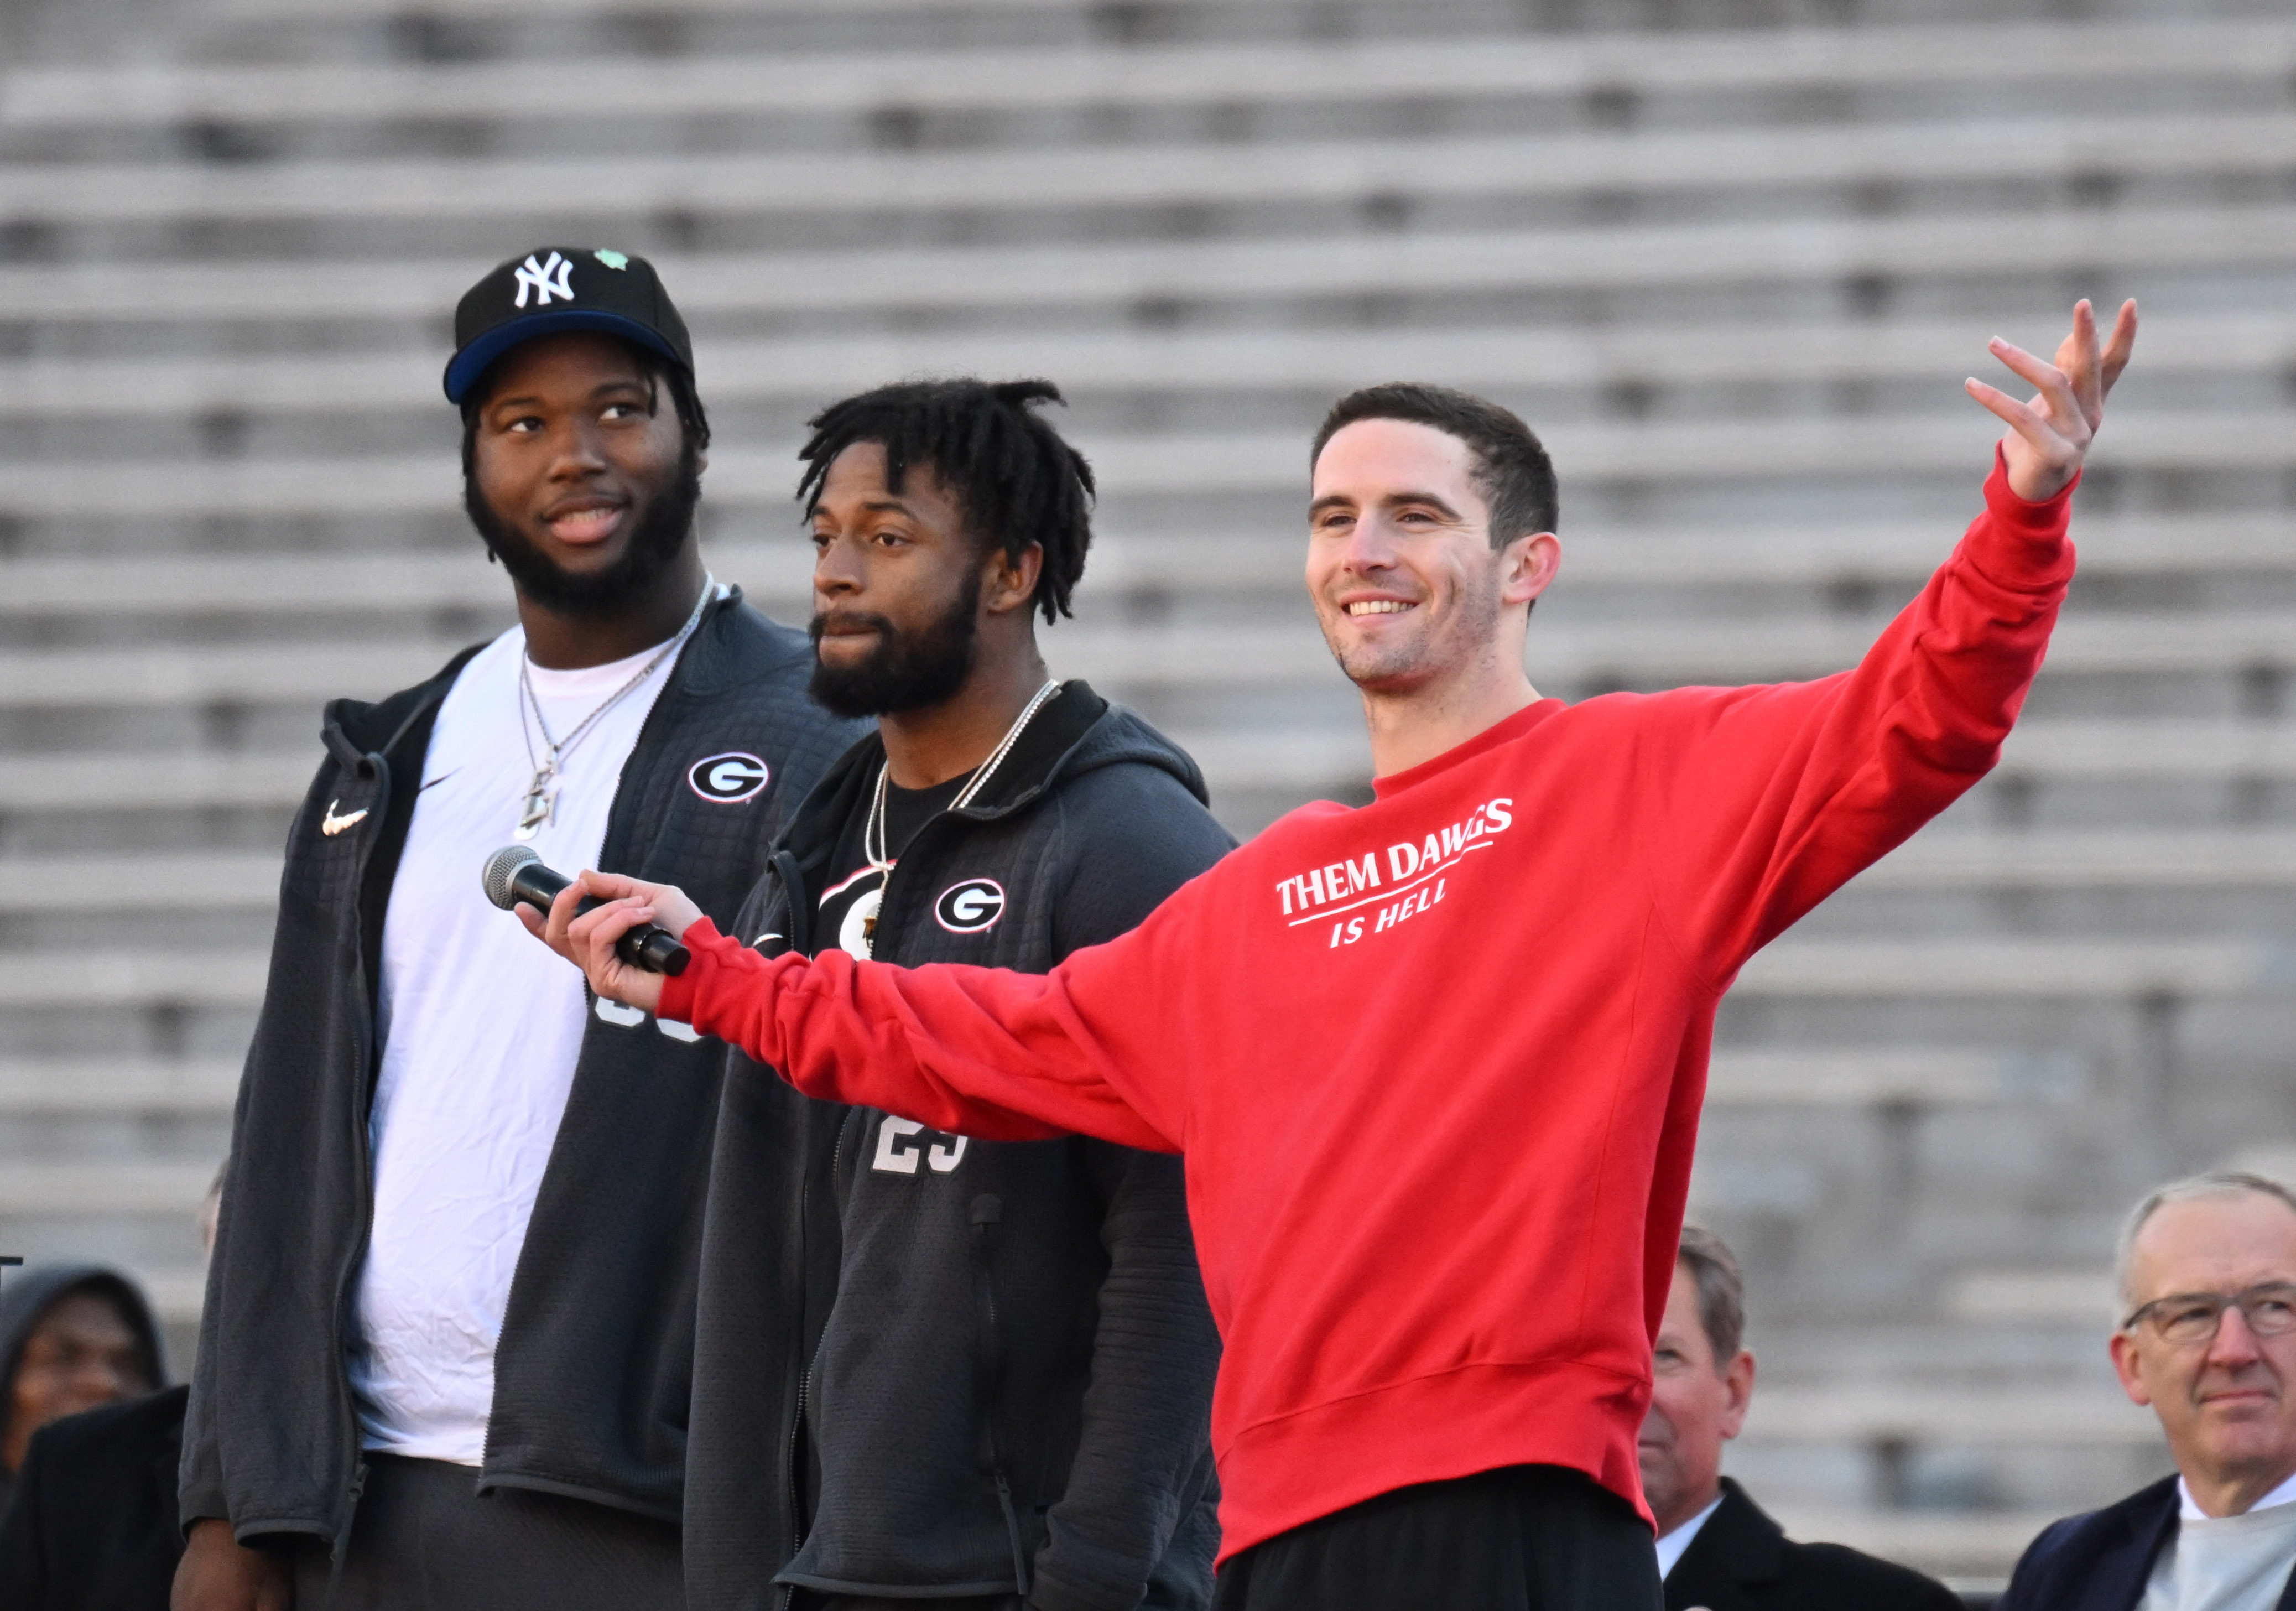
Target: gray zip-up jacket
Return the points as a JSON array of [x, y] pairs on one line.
[[594, 1368], [932, 1366]]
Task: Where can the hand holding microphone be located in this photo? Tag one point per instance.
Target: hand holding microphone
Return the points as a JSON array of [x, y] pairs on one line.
[[620, 932]]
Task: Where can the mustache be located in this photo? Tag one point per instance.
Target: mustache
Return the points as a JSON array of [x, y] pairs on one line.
[[847, 621]]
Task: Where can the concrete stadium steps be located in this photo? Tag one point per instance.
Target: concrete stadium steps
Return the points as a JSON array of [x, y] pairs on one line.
[[1854, 261], [1697, 169], [1733, 273], [1107, 370], [2097, 1416], [80, 1088], [2227, 53], [1130, 25]]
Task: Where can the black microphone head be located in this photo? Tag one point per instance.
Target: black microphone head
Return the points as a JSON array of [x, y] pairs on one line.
[[501, 867]]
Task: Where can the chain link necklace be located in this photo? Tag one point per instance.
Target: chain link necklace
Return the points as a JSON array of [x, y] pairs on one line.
[[539, 804], [862, 913]]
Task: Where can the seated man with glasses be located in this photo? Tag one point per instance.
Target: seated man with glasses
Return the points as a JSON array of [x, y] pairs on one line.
[[2208, 1284]]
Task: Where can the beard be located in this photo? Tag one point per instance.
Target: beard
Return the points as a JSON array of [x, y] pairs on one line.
[[911, 671], [661, 535], [1434, 647]]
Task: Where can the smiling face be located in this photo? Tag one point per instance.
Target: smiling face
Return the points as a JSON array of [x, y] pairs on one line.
[[2224, 1404], [1697, 1404], [1405, 584], [580, 475]]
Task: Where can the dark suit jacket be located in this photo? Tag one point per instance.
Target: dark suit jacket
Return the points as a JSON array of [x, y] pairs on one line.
[[93, 1524], [2101, 1561], [1743, 1561]]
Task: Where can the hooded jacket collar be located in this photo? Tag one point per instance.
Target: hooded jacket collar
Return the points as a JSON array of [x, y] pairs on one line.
[[356, 728], [1076, 731], [31, 1294]]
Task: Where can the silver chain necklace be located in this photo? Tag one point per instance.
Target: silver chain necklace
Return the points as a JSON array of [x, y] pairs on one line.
[[863, 911], [539, 804]]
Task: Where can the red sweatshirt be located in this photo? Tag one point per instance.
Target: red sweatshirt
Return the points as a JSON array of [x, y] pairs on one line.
[[1436, 1063]]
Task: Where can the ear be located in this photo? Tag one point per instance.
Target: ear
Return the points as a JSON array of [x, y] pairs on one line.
[[1009, 584], [1738, 1384], [2126, 1365], [1526, 566]]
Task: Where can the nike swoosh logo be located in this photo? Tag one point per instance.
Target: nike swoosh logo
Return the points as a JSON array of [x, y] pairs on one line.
[[332, 824]]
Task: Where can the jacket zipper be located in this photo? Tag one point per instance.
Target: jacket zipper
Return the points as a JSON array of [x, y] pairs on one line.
[[805, 1380], [354, 1488], [986, 1211], [804, 1393]]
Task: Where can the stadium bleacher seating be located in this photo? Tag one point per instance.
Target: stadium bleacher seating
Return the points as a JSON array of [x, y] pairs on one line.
[[1731, 257]]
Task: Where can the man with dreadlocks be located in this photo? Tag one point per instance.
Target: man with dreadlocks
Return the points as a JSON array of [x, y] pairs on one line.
[[931, 1367]]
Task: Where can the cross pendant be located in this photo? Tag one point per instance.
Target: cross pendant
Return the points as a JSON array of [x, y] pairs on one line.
[[540, 802]]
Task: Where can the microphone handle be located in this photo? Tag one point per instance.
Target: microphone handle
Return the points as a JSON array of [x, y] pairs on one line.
[[649, 946]]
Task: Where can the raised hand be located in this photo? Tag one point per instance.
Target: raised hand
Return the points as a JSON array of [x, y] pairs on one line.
[[587, 941], [2049, 437]]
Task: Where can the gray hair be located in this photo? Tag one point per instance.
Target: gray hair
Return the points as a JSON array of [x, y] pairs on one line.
[[1721, 1291], [2217, 1183]]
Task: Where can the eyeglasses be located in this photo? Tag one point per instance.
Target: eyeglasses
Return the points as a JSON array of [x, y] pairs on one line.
[[2194, 1317]]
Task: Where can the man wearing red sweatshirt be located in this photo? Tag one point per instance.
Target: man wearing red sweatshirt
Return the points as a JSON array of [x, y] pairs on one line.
[[1436, 1063]]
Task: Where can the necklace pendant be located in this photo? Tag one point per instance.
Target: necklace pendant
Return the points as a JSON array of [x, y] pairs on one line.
[[539, 805], [857, 936]]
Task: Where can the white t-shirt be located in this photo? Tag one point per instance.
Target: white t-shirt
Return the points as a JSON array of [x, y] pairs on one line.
[[480, 1026], [1671, 1546], [2225, 1563]]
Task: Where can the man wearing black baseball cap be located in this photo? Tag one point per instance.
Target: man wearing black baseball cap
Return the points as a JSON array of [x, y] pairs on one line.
[[445, 1351]]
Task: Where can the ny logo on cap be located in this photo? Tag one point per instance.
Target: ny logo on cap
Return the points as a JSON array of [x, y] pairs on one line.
[[546, 280]]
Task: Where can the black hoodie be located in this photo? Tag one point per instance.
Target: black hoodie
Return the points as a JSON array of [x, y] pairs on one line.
[[931, 1367], [25, 1298]]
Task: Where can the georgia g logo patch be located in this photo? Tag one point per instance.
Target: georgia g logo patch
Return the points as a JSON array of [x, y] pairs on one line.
[[970, 907], [728, 779]]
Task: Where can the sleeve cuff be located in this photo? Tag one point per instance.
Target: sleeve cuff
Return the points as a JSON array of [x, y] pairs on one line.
[[2039, 519], [2031, 552], [702, 941], [202, 1504]]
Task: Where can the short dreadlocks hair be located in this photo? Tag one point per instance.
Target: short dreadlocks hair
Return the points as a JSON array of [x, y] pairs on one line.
[[1019, 482]]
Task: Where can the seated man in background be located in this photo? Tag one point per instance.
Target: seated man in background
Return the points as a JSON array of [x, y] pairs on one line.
[[72, 1337], [92, 1525], [2208, 1282], [1715, 1547]]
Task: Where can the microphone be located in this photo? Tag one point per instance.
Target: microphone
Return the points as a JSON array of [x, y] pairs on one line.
[[515, 873]]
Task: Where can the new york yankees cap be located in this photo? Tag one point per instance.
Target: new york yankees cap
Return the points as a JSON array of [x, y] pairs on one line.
[[560, 288]]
